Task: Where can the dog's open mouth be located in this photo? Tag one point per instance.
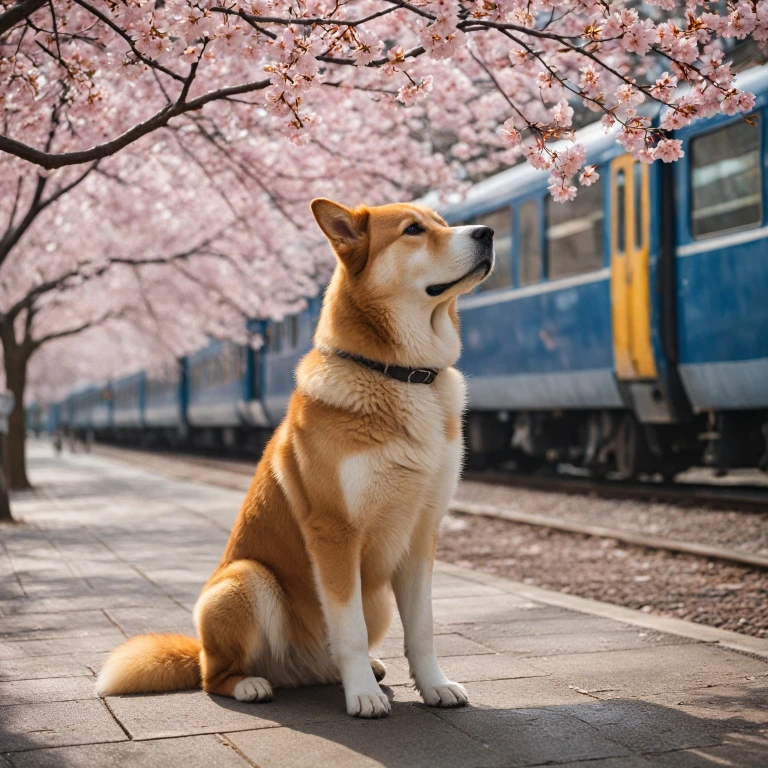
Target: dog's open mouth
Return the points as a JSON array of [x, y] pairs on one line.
[[483, 266]]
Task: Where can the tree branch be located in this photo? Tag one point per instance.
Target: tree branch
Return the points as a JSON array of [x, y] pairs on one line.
[[52, 160], [82, 271], [19, 12], [36, 343]]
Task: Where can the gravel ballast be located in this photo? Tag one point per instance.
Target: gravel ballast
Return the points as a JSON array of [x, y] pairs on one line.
[[745, 532], [682, 586]]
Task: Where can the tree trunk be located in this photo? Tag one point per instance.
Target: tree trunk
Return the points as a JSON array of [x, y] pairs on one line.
[[15, 455]]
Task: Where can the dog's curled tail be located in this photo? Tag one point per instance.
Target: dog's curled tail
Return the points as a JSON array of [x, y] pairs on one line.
[[151, 663]]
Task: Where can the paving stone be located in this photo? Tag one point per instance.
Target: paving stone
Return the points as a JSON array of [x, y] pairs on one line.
[[648, 728], [582, 642], [533, 736], [445, 645], [191, 752], [24, 649], [645, 670], [68, 665], [47, 689], [184, 713], [521, 693], [741, 706], [451, 610], [44, 626], [464, 669], [541, 621], [56, 724], [181, 583], [136, 621], [10, 588], [427, 742], [447, 586], [83, 603], [610, 762], [742, 751]]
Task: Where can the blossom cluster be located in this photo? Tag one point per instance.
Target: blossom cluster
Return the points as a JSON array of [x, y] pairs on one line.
[[109, 66]]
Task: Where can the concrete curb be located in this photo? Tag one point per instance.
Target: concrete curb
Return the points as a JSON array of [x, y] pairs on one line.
[[732, 640]]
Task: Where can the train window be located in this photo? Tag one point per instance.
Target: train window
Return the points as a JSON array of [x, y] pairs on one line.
[[529, 243], [500, 222], [575, 233], [725, 179], [639, 203], [621, 211]]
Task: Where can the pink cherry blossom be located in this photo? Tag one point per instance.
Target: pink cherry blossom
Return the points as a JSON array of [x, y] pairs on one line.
[[668, 150], [641, 36], [562, 114], [510, 134], [589, 175], [561, 193]]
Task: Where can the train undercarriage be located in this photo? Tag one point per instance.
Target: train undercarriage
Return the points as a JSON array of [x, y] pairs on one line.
[[602, 442], [615, 442]]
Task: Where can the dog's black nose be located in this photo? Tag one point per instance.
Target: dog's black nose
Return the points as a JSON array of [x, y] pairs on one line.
[[482, 234]]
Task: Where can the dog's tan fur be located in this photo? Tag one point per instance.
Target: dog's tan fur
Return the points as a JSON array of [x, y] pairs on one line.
[[346, 500]]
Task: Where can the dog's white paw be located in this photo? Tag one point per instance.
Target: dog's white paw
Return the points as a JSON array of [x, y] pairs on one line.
[[253, 689], [446, 695], [370, 705]]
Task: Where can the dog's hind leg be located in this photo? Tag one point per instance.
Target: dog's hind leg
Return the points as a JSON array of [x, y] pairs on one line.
[[377, 609], [241, 620]]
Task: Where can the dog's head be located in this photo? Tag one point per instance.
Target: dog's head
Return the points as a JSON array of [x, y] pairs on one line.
[[403, 268], [406, 249]]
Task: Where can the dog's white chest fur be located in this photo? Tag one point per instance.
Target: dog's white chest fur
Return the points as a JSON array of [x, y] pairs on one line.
[[405, 478]]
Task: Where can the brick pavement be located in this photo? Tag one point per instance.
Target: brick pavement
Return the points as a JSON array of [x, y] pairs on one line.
[[107, 550]]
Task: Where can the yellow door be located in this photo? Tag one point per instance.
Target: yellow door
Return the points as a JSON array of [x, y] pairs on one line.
[[630, 285]]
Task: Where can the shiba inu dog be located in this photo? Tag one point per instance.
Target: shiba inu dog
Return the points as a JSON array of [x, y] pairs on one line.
[[346, 500]]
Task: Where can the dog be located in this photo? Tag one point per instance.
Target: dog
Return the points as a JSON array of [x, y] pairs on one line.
[[346, 501]]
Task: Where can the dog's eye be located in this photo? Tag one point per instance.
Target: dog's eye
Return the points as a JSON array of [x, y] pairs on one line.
[[413, 229]]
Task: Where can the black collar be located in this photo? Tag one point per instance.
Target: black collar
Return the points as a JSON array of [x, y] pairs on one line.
[[398, 372]]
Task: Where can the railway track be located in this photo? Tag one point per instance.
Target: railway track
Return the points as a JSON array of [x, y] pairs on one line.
[[236, 473], [745, 498]]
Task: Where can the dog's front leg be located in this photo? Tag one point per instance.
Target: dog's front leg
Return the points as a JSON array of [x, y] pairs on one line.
[[338, 581], [413, 590]]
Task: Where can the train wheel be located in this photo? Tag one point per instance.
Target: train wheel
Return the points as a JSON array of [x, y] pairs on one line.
[[631, 448]]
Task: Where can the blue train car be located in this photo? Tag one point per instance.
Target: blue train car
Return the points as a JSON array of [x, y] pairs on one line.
[[537, 334], [90, 410], [51, 420], [619, 328], [33, 417], [286, 342], [165, 405], [721, 259], [128, 407], [224, 404]]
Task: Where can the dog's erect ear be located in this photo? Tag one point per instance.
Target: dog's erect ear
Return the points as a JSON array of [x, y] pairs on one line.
[[347, 231]]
